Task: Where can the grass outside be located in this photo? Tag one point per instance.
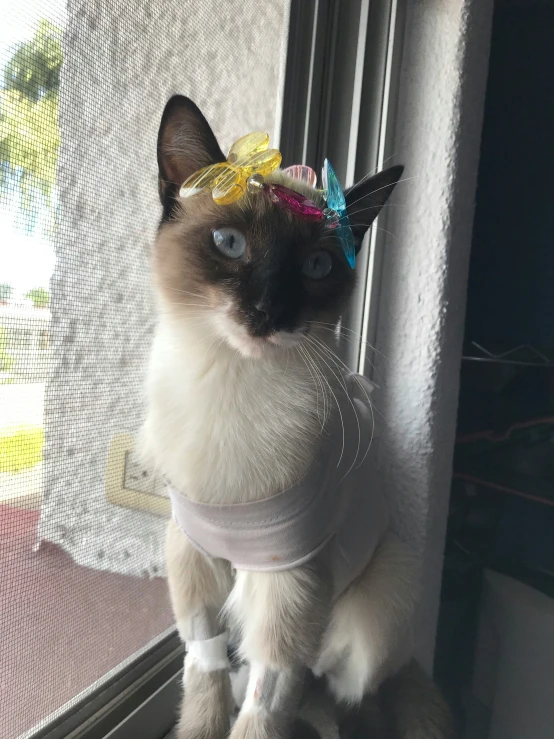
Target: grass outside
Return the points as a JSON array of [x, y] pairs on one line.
[[20, 448]]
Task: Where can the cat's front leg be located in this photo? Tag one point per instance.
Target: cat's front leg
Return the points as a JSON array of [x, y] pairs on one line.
[[281, 617], [199, 587], [368, 638]]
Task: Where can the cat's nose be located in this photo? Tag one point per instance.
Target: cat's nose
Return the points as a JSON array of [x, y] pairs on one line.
[[264, 318], [262, 311]]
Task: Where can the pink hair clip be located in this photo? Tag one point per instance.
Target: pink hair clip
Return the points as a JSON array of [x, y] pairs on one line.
[[287, 198]]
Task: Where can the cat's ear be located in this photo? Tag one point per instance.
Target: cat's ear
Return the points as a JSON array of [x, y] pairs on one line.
[[186, 143], [365, 200]]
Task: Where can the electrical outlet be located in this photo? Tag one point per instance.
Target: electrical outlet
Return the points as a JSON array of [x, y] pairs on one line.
[[137, 478], [129, 484]]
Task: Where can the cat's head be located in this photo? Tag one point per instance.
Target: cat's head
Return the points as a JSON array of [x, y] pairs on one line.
[[252, 274]]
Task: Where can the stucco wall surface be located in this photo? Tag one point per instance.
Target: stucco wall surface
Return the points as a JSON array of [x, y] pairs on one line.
[[122, 61], [423, 288]]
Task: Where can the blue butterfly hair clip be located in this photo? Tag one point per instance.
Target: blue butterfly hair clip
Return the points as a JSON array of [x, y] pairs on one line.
[[336, 213]]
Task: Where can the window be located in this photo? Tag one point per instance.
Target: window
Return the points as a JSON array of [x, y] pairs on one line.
[[85, 620], [83, 85], [44, 340]]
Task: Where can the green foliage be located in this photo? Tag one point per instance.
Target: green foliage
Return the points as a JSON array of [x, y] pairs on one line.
[[6, 359], [5, 292], [40, 297], [34, 69], [20, 448], [29, 136]]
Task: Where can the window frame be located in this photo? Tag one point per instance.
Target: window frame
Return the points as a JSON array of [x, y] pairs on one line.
[[340, 108], [141, 694], [345, 109]]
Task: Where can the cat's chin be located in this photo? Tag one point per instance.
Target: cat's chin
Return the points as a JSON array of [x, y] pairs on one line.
[[249, 346], [252, 347]]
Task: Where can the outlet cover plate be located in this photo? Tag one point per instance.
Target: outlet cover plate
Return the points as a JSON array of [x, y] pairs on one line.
[[128, 484]]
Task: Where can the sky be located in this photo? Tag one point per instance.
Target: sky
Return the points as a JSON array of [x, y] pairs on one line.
[[26, 260]]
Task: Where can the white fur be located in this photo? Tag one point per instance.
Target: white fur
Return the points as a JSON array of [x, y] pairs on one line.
[[226, 426], [251, 700], [239, 684], [369, 637]]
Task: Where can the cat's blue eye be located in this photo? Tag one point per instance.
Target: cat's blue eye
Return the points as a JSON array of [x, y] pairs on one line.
[[317, 265], [230, 242]]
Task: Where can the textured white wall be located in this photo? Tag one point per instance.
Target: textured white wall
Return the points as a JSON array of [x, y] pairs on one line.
[[122, 60], [422, 299]]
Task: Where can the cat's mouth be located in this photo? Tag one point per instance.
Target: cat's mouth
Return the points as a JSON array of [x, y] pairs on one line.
[[238, 337]]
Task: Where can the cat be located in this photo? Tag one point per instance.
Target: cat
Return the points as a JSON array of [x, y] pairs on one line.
[[242, 392]]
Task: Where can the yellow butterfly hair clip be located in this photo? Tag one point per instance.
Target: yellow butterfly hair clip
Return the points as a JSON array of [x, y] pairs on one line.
[[228, 181]]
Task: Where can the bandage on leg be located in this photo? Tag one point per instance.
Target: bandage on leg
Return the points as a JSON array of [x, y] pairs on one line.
[[206, 648], [276, 691]]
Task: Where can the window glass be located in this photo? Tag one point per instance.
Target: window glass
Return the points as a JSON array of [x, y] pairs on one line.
[[82, 88]]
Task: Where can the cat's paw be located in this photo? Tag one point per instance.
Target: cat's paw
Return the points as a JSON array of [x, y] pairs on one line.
[[187, 729], [260, 724], [206, 707]]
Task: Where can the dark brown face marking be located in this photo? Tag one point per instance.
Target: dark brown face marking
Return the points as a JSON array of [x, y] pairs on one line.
[[279, 274], [265, 290]]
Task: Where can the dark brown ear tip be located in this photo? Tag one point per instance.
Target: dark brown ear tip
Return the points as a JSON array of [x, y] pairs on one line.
[[186, 143], [179, 103], [395, 172]]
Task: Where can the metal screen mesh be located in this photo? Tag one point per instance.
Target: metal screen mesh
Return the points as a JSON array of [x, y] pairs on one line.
[[82, 88]]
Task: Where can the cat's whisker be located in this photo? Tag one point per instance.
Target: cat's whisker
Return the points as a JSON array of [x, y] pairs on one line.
[[203, 339], [389, 233], [323, 326], [372, 408], [186, 292], [373, 171], [354, 343], [324, 379], [316, 385], [192, 314], [356, 335], [318, 376], [370, 404], [375, 207], [205, 319], [333, 357], [221, 340], [379, 228], [312, 341], [366, 195], [372, 425], [194, 305], [287, 365]]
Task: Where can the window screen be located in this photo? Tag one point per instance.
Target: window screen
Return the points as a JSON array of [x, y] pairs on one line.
[[82, 88]]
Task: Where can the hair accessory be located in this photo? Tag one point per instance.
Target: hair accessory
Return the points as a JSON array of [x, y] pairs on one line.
[[248, 156], [336, 212], [303, 173], [248, 163]]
